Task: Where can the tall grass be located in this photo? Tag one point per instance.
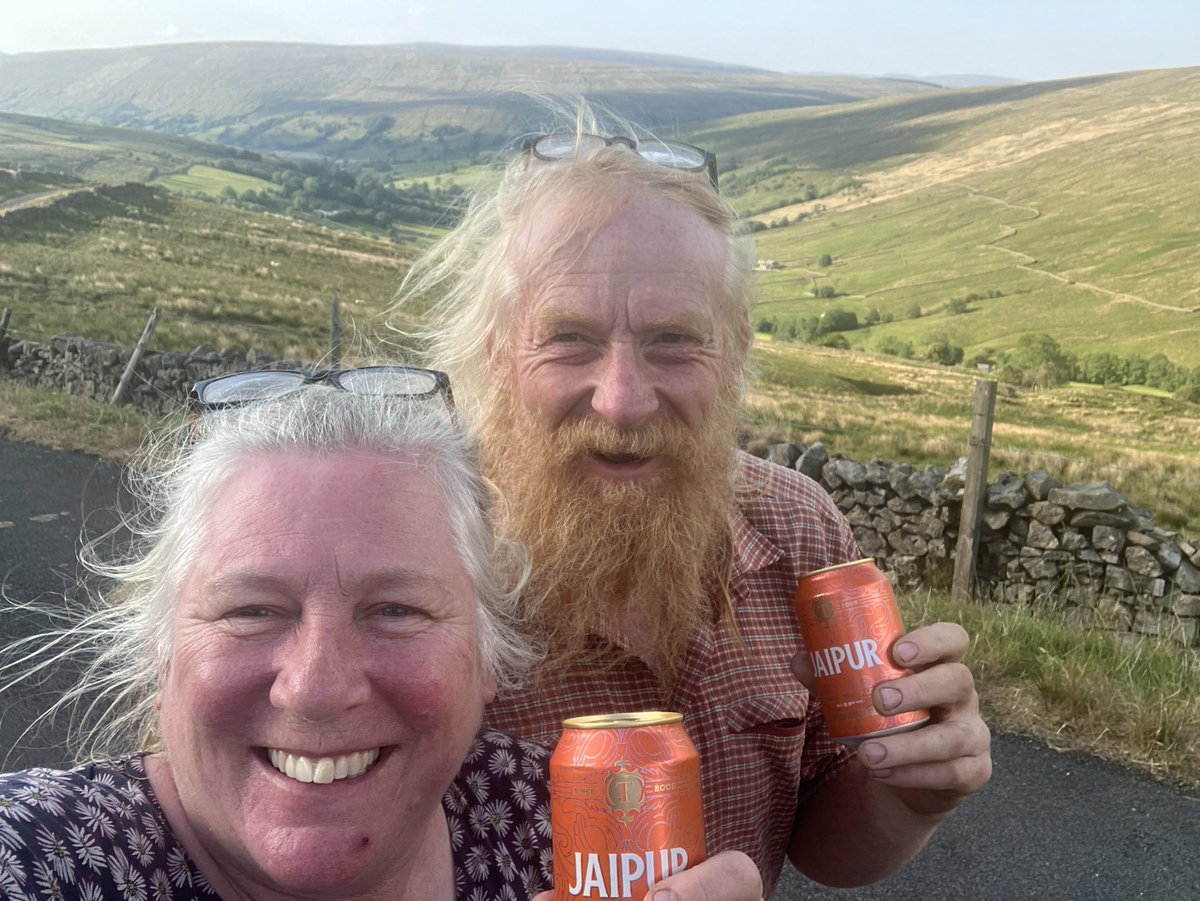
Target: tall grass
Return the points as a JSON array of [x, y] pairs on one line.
[[74, 424], [1135, 701]]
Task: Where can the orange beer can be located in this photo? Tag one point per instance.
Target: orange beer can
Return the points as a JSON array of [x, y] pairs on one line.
[[849, 618], [625, 804]]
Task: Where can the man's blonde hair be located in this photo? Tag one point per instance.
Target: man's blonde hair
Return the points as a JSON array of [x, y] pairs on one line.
[[468, 285]]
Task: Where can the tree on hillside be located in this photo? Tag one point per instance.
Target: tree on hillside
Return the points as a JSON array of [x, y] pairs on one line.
[[1102, 368], [1162, 373], [894, 347], [838, 321], [940, 350], [1038, 362]]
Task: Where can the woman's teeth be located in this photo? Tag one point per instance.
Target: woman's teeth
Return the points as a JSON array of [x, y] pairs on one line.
[[322, 770]]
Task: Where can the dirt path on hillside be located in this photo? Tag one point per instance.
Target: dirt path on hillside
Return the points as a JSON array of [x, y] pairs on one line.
[[1027, 261], [933, 170]]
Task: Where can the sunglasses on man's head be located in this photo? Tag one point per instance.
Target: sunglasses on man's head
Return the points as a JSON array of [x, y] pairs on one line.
[[569, 146], [379, 381]]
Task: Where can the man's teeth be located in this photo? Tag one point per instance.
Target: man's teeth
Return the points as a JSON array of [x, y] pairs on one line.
[[620, 458], [322, 770]]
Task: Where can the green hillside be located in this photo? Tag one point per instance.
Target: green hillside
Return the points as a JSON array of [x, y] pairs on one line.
[[1065, 208], [102, 154], [356, 195], [97, 261], [400, 103]]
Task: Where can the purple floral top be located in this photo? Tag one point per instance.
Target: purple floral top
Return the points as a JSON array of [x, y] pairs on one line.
[[97, 833]]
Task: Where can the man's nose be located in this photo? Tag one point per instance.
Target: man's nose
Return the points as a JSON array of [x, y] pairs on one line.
[[624, 394], [321, 671]]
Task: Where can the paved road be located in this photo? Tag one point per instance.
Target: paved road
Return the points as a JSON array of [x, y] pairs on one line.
[[1050, 825]]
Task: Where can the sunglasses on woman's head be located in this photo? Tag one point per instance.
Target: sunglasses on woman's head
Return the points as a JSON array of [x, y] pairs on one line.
[[379, 381]]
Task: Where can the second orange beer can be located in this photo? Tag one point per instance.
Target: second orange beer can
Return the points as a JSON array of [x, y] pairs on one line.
[[625, 804], [849, 619]]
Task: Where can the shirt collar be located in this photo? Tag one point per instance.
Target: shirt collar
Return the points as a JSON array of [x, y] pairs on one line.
[[752, 551]]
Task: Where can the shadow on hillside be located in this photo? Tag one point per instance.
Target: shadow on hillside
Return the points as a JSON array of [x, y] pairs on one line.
[[875, 389], [861, 135]]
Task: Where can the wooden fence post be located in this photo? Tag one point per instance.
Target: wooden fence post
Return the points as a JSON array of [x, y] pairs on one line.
[[974, 491], [127, 375], [335, 335]]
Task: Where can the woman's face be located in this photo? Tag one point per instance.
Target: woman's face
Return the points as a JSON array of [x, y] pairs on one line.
[[327, 628]]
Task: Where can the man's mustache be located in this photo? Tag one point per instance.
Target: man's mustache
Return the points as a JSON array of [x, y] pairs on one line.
[[593, 436]]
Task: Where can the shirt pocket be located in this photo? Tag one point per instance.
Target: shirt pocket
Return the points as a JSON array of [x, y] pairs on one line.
[[782, 714]]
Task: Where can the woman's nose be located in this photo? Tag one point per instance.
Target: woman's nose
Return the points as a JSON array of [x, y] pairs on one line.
[[321, 672]]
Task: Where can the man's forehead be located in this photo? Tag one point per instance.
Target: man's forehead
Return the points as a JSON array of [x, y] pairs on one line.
[[593, 236]]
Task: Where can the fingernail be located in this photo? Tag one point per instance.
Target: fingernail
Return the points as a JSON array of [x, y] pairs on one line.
[[905, 652], [874, 752], [890, 697], [664, 895]]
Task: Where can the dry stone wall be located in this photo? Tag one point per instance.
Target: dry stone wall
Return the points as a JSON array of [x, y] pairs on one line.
[[1082, 546], [88, 368]]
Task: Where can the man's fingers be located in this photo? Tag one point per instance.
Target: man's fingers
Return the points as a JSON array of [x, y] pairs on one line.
[[936, 643], [949, 686], [728, 876]]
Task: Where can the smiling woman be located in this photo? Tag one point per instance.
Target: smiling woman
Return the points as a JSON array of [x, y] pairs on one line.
[[300, 650]]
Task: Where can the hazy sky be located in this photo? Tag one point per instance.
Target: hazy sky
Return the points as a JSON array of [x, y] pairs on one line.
[[1026, 39]]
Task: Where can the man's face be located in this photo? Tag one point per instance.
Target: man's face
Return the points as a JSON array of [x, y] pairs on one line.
[[627, 331]]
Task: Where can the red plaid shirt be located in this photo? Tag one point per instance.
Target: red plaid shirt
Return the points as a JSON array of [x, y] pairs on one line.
[[762, 740]]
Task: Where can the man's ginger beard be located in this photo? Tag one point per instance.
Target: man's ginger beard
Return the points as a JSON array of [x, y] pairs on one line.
[[642, 563]]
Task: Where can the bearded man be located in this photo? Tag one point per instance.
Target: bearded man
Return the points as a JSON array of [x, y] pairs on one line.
[[594, 316]]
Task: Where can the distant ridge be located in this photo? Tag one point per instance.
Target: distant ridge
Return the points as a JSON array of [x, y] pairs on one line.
[[969, 81], [621, 57], [395, 102]]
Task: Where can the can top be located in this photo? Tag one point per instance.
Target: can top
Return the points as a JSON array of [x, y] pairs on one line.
[[623, 720], [847, 565]]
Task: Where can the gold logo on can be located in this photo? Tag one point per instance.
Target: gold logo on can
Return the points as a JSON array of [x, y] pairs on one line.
[[624, 786], [823, 611]]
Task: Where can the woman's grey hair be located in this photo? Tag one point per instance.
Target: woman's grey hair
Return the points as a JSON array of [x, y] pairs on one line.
[[125, 631], [467, 286]]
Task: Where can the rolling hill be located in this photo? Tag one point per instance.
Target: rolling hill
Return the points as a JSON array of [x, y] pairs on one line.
[[985, 215], [400, 102]]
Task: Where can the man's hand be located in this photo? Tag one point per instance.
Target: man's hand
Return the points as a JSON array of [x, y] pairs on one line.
[[933, 768], [728, 876], [870, 819]]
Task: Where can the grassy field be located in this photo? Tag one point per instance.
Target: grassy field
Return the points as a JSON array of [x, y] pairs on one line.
[[870, 406], [98, 153], [210, 182], [1136, 702], [98, 263]]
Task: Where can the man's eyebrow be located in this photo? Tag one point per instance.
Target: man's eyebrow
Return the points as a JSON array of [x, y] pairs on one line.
[[689, 321]]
